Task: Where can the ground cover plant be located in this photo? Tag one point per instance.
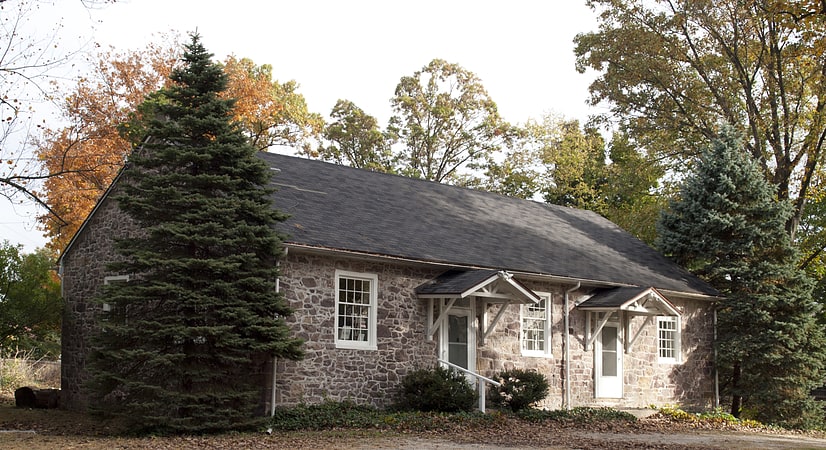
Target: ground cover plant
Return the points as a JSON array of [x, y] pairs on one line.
[[348, 425]]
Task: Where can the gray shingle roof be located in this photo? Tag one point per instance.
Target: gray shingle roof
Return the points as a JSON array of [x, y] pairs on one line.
[[343, 208], [455, 282], [612, 298], [621, 298]]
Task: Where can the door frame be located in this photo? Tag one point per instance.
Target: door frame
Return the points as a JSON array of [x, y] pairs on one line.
[[470, 313], [608, 388]]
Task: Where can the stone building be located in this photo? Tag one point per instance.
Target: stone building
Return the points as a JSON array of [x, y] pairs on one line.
[[388, 274]]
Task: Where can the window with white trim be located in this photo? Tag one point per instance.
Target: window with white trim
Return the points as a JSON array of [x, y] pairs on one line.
[[536, 327], [108, 308], [356, 299], [668, 339]]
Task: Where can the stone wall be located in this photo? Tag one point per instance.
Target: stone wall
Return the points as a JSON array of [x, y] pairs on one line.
[[363, 376], [83, 273], [646, 381], [373, 376]]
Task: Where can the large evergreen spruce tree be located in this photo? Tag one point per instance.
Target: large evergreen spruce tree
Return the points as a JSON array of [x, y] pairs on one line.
[[185, 342], [728, 228]]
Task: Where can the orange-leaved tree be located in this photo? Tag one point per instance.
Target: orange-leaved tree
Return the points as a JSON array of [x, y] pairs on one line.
[[88, 152], [272, 114], [91, 149]]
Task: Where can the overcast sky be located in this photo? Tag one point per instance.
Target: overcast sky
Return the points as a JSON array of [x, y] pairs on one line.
[[357, 50]]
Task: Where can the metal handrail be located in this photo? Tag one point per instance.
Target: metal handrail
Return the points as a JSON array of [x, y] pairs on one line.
[[480, 385]]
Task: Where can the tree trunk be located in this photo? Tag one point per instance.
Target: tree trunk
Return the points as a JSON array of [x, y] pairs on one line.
[[736, 398]]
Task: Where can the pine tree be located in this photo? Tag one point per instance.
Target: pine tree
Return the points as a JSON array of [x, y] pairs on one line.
[[728, 228], [186, 339]]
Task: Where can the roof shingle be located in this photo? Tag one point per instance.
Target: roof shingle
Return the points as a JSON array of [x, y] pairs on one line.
[[339, 207]]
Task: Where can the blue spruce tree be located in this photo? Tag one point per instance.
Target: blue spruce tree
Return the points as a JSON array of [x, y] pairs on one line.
[[727, 227]]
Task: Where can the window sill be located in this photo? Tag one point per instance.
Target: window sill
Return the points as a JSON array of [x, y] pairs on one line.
[[537, 355], [355, 346]]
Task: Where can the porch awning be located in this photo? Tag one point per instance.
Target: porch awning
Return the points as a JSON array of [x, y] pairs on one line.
[[494, 285], [634, 300]]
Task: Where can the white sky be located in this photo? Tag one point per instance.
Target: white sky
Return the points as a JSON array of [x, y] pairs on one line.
[[522, 50]]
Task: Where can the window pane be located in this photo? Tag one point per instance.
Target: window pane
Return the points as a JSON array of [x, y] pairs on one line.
[[609, 352], [534, 326], [667, 337], [354, 309]]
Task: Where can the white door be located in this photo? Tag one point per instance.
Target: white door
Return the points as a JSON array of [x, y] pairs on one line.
[[459, 339], [608, 362]]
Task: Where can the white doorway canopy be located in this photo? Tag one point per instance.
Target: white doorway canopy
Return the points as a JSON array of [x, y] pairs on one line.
[[491, 286], [621, 303]]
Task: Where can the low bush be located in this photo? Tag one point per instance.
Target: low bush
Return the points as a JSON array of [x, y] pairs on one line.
[[716, 416], [348, 415], [437, 389], [520, 389], [579, 415], [326, 415]]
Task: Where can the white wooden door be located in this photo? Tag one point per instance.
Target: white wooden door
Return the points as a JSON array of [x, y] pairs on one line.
[[608, 362], [459, 339]]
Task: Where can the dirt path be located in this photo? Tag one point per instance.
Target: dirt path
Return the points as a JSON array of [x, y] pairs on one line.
[[570, 439], [54, 429]]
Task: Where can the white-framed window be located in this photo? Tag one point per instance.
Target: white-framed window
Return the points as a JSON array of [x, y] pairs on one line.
[[107, 307], [535, 337], [668, 339], [356, 301]]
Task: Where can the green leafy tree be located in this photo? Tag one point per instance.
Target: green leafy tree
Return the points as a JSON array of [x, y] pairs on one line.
[[553, 158], [671, 72], [446, 123], [356, 140], [576, 159], [30, 304], [728, 228], [634, 193], [566, 164], [185, 343]]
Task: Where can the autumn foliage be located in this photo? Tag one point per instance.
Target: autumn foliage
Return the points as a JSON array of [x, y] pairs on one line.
[[86, 155]]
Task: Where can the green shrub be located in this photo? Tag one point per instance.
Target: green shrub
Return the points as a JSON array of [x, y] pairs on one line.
[[436, 389], [716, 416], [579, 414], [332, 415], [329, 414], [520, 389]]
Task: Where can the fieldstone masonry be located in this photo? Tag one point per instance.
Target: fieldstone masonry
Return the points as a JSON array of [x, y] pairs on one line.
[[364, 376], [373, 376], [83, 270]]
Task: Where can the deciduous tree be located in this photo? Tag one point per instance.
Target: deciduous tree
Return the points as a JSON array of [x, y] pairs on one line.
[[85, 155], [355, 139], [565, 164], [728, 227], [30, 305], [446, 122], [34, 54], [273, 114], [671, 72], [202, 305]]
